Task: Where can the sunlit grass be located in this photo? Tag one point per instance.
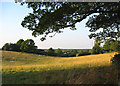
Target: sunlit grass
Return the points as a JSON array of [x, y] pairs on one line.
[[15, 63]]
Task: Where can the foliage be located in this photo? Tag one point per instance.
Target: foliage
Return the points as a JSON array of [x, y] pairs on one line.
[[111, 45], [39, 51], [73, 53], [53, 17], [66, 53], [96, 49], [116, 60], [70, 53], [59, 52], [19, 43], [6, 47], [107, 45], [28, 46], [83, 52], [10, 47], [51, 52], [115, 46], [23, 46]]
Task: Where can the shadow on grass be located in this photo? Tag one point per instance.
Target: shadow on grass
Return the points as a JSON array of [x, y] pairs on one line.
[[94, 75]]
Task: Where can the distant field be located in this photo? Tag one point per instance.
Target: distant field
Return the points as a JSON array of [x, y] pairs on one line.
[[24, 68]]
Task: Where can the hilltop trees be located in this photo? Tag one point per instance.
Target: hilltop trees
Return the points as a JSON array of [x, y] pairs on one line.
[[96, 48], [111, 45], [21, 45], [73, 53], [28, 46], [19, 42], [50, 52], [107, 45], [59, 52], [10, 47], [6, 47], [83, 52], [115, 45], [13, 46]]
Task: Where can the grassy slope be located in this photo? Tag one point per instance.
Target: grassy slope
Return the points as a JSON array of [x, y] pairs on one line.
[[31, 68]]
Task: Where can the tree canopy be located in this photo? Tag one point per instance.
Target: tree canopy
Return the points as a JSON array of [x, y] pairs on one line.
[[59, 52], [111, 45], [50, 52], [96, 48], [53, 17], [28, 45]]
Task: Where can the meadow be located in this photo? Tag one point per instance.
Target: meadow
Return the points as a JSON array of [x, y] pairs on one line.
[[25, 68]]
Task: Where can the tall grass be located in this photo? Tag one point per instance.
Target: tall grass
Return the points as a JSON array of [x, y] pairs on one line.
[[23, 68]]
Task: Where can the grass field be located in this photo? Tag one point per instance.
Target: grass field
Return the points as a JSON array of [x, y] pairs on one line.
[[24, 68]]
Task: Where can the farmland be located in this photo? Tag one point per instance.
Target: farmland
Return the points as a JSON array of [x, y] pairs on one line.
[[25, 68]]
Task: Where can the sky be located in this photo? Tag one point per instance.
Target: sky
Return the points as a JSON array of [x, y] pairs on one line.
[[11, 16]]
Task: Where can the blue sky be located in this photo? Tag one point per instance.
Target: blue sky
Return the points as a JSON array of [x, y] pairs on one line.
[[11, 16]]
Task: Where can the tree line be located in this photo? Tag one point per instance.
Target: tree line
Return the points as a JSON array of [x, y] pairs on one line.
[[28, 46], [110, 45]]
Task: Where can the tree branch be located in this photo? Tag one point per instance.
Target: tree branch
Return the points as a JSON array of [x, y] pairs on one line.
[[89, 13]]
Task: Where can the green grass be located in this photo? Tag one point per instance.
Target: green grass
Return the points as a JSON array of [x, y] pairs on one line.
[[24, 68]]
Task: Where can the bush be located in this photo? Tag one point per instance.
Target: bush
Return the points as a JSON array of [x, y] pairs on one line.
[[111, 45], [116, 60], [97, 49], [73, 53], [50, 52], [19, 43], [70, 53], [83, 52], [39, 51], [10, 47], [28, 46], [59, 52], [66, 53], [6, 46]]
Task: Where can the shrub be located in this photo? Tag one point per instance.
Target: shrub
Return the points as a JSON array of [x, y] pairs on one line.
[[59, 52], [116, 60], [10, 47], [111, 45], [39, 51], [6, 47], [96, 49], [66, 53], [73, 53], [50, 52], [115, 46], [83, 52], [19, 43], [28, 46]]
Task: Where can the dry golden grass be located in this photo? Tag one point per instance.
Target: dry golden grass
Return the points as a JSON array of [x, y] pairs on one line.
[[37, 69], [24, 60]]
